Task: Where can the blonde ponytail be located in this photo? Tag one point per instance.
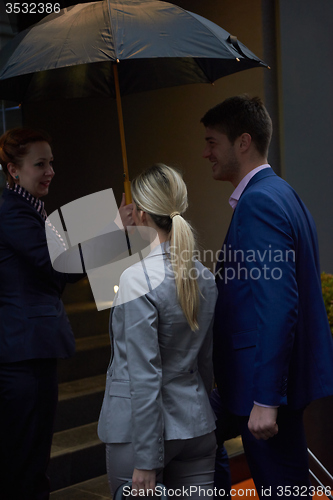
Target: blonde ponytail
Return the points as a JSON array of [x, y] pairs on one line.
[[182, 246], [161, 192]]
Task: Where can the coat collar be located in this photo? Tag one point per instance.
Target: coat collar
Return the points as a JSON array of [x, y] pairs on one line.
[[161, 249], [21, 195], [262, 174]]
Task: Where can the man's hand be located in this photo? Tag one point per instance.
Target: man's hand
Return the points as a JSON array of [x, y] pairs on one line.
[[143, 480], [262, 422], [125, 212]]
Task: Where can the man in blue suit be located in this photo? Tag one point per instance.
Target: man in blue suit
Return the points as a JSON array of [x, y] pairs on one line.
[[273, 349]]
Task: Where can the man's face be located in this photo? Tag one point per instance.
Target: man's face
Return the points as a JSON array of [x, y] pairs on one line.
[[222, 154]]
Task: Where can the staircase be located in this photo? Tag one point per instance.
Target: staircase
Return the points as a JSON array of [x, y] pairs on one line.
[[77, 467]]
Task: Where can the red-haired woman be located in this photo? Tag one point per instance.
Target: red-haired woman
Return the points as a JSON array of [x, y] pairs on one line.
[[34, 328]]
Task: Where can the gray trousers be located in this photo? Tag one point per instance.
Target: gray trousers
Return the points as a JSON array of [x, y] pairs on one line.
[[187, 463]]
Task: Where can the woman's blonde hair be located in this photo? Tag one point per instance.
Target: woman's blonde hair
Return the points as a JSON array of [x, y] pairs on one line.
[[161, 192]]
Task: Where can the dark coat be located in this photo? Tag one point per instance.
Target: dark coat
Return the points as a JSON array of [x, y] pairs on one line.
[[33, 322]]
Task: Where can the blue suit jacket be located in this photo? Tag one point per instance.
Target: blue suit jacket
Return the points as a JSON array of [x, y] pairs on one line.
[[33, 322], [272, 341]]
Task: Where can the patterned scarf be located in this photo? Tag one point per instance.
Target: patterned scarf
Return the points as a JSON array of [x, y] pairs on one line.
[[35, 202]]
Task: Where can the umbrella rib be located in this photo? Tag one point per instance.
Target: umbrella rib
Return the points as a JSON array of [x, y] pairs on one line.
[[203, 55], [196, 59], [207, 27], [111, 31]]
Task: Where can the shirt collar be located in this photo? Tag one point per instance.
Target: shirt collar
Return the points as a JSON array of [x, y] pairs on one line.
[[234, 198], [161, 248], [35, 202]]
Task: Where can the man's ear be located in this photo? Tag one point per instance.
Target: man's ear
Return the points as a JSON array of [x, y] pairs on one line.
[[244, 142]]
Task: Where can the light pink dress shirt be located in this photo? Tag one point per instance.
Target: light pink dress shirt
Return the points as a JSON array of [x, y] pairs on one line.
[[233, 200]]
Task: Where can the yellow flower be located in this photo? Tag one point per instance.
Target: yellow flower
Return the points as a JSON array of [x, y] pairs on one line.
[[327, 289]]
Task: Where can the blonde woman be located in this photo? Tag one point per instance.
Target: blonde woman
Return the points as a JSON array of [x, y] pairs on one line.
[[156, 418]]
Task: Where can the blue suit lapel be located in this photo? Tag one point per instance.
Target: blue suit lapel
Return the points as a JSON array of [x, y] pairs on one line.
[[262, 174], [220, 263]]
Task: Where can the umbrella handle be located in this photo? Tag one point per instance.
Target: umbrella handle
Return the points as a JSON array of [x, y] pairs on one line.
[[127, 184], [127, 189]]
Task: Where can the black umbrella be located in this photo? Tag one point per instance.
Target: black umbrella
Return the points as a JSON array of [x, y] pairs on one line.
[[111, 48]]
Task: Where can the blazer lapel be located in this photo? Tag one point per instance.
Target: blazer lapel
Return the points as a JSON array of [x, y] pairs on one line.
[[266, 172], [111, 336], [220, 263]]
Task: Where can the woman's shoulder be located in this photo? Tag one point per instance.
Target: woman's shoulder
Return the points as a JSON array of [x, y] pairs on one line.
[[206, 281], [20, 218], [11, 202], [132, 274], [133, 284], [203, 271], [142, 278], [13, 206]]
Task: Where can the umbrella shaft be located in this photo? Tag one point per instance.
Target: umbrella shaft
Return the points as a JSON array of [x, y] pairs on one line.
[[127, 185]]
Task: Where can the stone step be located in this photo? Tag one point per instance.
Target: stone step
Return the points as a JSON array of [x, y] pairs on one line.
[[77, 455], [80, 402], [239, 468], [93, 489], [78, 292], [86, 320], [78, 449], [92, 358]]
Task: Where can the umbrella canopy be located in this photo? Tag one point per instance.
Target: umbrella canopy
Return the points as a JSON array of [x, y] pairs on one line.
[[111, 48], [157, 44]]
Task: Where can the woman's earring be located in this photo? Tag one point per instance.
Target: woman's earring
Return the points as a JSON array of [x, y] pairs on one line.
[[16, 176]]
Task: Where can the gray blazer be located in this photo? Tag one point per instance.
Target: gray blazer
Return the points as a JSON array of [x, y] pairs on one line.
[[160, 372]]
